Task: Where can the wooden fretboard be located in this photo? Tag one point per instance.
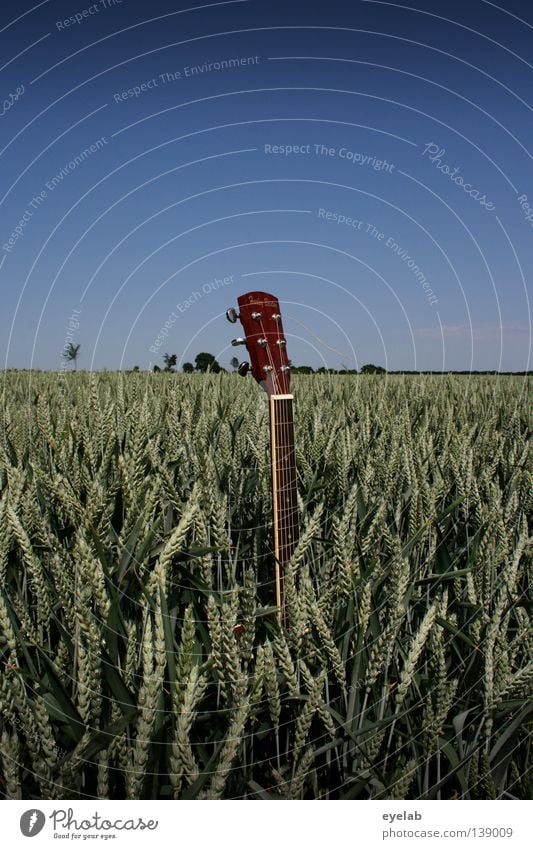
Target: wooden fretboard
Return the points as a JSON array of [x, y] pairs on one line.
[[284, 498]]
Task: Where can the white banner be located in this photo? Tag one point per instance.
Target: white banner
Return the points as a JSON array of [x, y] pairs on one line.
[[254, 824]]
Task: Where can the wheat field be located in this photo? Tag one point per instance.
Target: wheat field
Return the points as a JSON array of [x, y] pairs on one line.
[[140, 648]]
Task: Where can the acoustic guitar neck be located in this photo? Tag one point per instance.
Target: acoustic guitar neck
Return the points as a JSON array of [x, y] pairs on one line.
[[265, 341], [284, 492]]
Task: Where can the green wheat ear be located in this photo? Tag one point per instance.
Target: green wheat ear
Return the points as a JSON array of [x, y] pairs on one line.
[[141, 652]]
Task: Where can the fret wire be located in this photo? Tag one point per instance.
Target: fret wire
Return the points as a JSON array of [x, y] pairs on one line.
[[286, 471]]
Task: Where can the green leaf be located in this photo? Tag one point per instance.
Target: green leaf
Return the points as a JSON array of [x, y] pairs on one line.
[[169, 640], [117, 686], [70, 715]]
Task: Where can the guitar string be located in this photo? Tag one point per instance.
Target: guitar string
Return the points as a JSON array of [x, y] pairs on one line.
[[283, 474], [281, 500], [288, 477], [284, 481], [283, 471], [273, 425], [289, 481], [274, 375], [292, 475], [288, 458]]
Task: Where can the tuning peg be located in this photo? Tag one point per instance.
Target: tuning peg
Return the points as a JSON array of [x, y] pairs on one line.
[[238, 341], [232, 315], [243, 369]]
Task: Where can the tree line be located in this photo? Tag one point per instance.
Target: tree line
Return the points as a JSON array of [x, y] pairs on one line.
[[205, 362]]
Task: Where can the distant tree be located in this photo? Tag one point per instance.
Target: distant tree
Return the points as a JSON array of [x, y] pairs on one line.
[[234, 363], [135, 368], [302, 369], [370, 368], [70, 354], [157, 368], [206, 362], [188, 368], [170, 361]]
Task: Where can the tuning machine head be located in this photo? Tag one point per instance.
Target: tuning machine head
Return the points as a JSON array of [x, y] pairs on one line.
[[260, 316]]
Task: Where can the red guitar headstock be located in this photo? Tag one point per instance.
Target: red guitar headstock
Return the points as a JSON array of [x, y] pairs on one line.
[[265, 341]]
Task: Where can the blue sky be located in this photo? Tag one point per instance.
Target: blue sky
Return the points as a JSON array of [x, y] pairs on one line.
[[369, 163]]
